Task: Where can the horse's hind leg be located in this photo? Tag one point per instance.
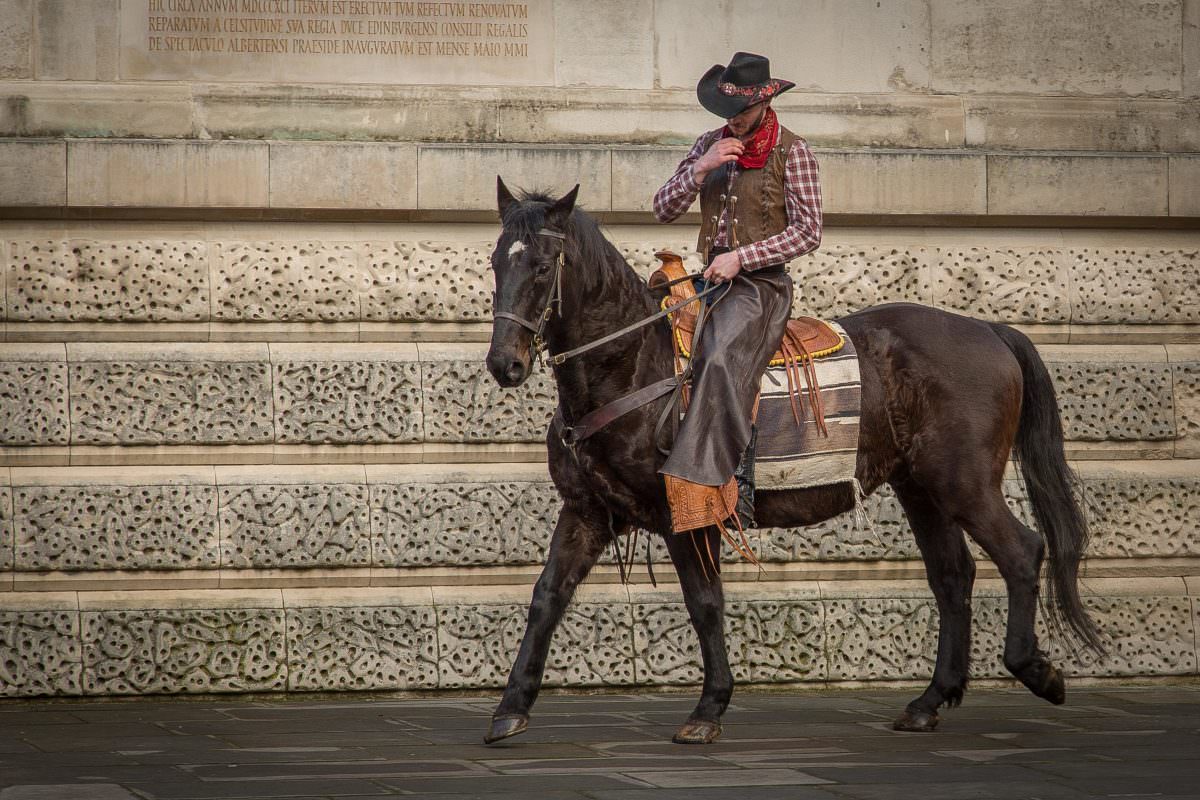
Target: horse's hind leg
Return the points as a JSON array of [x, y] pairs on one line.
[[951, 573], [1017, 552], [705, 600], [578, 540]]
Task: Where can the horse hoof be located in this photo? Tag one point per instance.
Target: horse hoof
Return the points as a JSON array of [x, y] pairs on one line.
[[1055, 689], [916, 722], [506, 726], [697, 731]]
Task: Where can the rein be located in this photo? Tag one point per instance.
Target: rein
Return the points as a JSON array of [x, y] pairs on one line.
[[554, 300], [593, 421]]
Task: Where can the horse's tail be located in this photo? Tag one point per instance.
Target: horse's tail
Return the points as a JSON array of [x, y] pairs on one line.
[[1038, 450]]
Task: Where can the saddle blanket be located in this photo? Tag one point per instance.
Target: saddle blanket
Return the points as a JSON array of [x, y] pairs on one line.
[[791, 456]]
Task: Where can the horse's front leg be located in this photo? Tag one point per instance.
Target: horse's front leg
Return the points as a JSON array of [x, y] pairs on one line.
[[705, 600], [579, 538]]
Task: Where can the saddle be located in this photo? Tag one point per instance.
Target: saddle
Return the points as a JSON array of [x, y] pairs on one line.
[[805, 340]]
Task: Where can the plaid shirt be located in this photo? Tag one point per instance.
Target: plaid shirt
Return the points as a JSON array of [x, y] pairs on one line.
[[803, 197]]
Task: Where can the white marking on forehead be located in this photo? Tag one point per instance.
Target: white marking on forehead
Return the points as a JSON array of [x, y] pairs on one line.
[[517, 247]]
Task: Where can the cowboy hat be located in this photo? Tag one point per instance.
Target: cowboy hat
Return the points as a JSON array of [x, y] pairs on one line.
[[727, 91]]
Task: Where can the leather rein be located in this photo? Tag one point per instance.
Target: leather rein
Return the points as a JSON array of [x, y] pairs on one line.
[[593, 421]]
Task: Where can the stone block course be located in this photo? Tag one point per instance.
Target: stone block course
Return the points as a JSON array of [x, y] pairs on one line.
[[164, 402], [33, 385], [427, 281], [368, 647], [116, 527], [1082, 185], [1134, 285], [457, 637], [167, 173], [90, 280], [33, 173], [284, 281], [42, 652], [352, 175], [256, 284], [146, 651], [463, 403], [347, 394]]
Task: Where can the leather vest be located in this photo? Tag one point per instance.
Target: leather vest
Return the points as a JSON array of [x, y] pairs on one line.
[[755, 203]]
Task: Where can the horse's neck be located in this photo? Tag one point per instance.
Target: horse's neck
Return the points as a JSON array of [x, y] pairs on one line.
[[599, 376]]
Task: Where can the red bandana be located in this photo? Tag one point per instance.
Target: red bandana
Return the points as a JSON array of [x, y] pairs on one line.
[[759, 146]]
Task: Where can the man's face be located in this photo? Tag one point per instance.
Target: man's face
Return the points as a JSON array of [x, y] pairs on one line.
[[747, 121]]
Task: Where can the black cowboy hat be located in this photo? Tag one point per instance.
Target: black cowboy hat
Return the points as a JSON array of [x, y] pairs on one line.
[[728, 91]]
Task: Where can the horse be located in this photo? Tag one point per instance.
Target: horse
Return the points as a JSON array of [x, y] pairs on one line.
[[945, 400]]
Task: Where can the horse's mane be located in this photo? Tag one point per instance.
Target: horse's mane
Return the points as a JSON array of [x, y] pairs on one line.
[[592, 247]]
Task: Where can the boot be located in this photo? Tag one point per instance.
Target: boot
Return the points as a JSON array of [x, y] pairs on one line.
[[744, 475]]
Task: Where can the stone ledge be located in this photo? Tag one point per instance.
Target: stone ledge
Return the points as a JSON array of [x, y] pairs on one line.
[[444, 638], [583, 115], [233, 174]]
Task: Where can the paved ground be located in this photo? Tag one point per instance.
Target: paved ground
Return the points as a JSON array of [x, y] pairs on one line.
[[1107, 742]]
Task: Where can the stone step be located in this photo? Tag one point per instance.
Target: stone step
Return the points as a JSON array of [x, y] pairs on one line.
[[345, 282], [97, 643], [215, 527], [101, 401]]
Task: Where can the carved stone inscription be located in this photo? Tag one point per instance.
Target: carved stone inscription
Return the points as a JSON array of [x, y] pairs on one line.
[[360, 41]]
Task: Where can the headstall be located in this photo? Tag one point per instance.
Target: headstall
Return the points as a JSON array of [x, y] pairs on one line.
[[554, 300]]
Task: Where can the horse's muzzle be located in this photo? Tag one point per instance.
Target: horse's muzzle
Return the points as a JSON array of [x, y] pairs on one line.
[[508, 366]]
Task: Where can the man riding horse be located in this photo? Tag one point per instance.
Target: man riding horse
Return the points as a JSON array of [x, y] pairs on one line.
[[760, 207]]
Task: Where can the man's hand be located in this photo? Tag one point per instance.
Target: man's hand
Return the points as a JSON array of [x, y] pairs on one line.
[[724, 267], [721, 151]]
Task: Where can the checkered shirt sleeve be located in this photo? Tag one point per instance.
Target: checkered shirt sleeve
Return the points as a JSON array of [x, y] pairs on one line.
[[803, 199], [677, 194]]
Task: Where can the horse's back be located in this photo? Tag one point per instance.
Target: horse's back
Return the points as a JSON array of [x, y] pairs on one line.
[[946, 385]]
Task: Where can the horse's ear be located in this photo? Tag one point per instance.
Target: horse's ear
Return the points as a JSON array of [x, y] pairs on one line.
[[558, 214], [504, 198]]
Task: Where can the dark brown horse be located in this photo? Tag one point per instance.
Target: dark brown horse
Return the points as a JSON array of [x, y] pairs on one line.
[[945, 400]]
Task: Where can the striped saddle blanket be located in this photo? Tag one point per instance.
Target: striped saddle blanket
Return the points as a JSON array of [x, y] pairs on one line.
[[799, 456]]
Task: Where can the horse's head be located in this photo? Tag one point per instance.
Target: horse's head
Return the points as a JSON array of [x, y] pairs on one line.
[[527, 265]]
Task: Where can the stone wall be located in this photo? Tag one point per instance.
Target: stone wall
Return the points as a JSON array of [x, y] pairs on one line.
[[262, 443], [247, 442]]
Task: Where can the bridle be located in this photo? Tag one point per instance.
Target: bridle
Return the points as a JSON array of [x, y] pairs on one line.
[[554, 301]]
